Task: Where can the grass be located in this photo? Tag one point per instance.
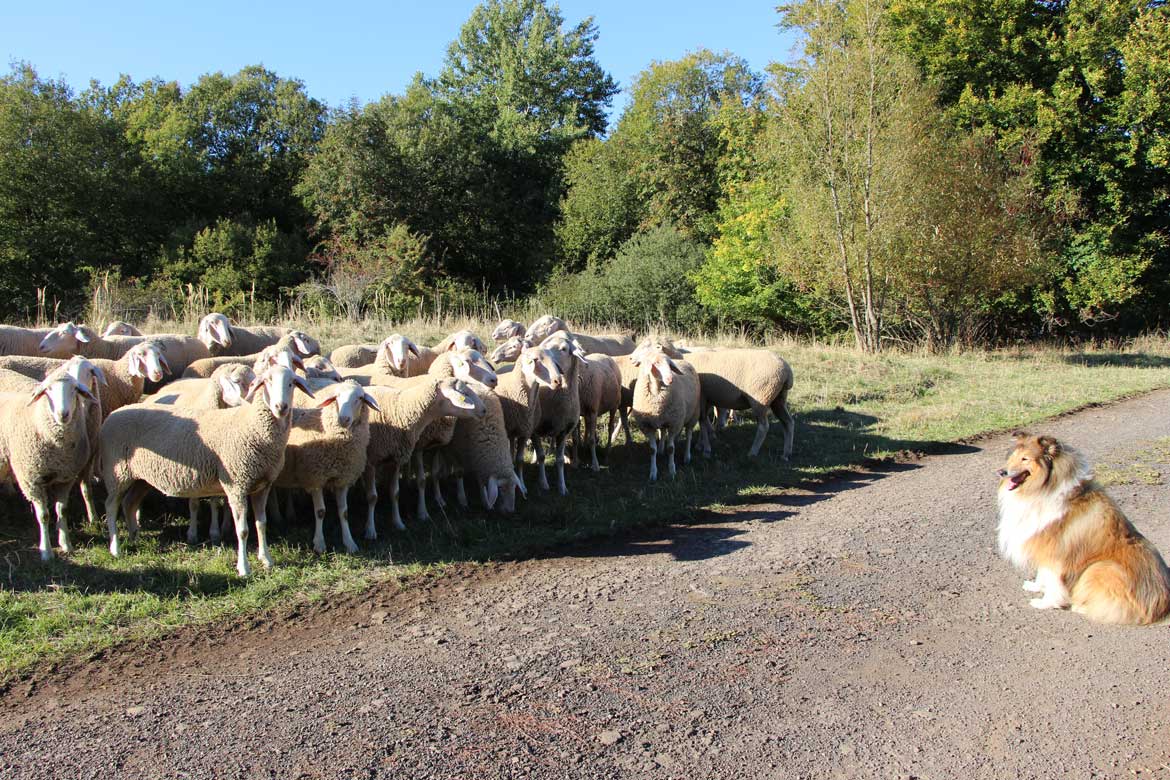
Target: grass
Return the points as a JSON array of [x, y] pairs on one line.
[[850, 408]]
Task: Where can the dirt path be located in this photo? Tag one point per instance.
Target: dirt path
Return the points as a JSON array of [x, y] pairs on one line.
[[868, 630]]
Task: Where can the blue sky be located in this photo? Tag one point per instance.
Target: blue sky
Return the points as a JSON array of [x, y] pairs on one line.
[[350, 49]]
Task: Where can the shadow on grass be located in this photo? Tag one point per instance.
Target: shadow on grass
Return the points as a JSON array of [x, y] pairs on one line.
[[614, 512], [1117, 360]]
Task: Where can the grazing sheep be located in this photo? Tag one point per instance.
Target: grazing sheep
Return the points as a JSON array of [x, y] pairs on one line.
[[507, 329], [755, 379], [461, 339], [405, 413], [120, 328], [327, 451], [519, 394], [44, 447], [320, 367], [666, 404], [206, 366], [15, 340], [560, 408], [481, 448], [600, 388], [221, 337], [188, 453], [354, 355]]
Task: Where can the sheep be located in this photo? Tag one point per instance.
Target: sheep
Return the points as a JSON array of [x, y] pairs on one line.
[[236, 453], [481, 448], [327, 451], [560, 408], [354, 355], [509, 350], [519, 394], [461, 339], [628, 371], [221, 337], [180, 350], [319, 367], [15, 340], [666, 403], [121, 383], [607, 344], [120, 328], [405, 413], [600, 390], [507, 329], [44, 449], [204, 367], [400, 357], [755, 379]]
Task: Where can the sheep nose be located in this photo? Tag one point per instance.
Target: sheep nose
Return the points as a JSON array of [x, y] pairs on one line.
[[345, 422], [282, 409]]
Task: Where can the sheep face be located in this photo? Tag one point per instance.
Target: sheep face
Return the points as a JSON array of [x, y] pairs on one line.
[[67, 336], [509, 350], [60, 390], [120, 328], [471, 366], [657, 369], [322, 368], [545, 327], [507, 329], [465, 339], [86, 373], [540, 366], [275, 356], [348, 399], [233, 383], [215, 330], [459, 400], [146, 360], [399, 351], [277, 383], [565, 350]]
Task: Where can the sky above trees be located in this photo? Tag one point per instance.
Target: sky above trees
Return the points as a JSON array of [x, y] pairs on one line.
[[356, 49]]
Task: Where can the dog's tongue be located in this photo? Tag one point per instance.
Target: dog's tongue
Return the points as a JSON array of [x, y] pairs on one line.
[[1018, 480]]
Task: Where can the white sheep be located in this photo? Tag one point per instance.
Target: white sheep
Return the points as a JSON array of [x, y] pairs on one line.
[[755, 379], [354, 355], [15, 340], [120, 328], [204, 367], [481, 448], [222, 337], [509, 349], [327, 450], [519, 394], [43, 449], [507, 329], [236, 453], [560, 408], [600, 388], [180, 350], [612, 344], [405, 413], [666, 404]]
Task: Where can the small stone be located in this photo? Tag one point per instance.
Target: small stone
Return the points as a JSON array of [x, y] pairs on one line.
[[609, 737], [134, 712], [379, 616]]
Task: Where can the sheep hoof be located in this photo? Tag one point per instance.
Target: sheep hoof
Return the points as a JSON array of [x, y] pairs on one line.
[[115, 548], [351, 548], [370, 535], [319, 546], [192, 537], [266, 560], [47, 555], [243, 570], [65, 546], [398, 526]]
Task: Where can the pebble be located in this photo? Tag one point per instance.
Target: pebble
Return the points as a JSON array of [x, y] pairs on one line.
[[611, 737]]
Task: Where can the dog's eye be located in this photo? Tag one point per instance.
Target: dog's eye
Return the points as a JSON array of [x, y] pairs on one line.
[[1024, 460]]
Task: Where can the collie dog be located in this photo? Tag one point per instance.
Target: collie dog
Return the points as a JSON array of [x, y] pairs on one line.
[[1056, 521]]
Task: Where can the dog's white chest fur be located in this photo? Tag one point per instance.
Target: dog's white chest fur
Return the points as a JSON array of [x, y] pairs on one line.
[[1022, 518]]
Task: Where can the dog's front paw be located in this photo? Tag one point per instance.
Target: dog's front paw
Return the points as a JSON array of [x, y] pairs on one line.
[[1045, 603], [1032, 586]]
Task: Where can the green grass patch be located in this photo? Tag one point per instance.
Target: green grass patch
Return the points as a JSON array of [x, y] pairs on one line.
[[850, 408]]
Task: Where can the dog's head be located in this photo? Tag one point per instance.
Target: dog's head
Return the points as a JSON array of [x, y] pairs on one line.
[[1031, 463]]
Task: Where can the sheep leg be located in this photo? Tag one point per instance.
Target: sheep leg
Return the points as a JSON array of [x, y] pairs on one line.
[[193, 521], [591, 438], [780, 409], [460, 493], [671, 435], [113, 501], [687, 453], [721, 416], [260, 509], [239, 507], [395, 513], [274, 507], [40, 504], [290, 509], [420, 481], [625, 416], [318, 521], [132, 507], [371, 486], [91, 510], [436, 484], [538, 455], [562, 440], [341, 497], [653, 440], [518, 459], [216, 531], [761, 413], [61, 504]]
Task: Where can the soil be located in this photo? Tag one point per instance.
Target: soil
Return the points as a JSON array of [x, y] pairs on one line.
[[863, 629]]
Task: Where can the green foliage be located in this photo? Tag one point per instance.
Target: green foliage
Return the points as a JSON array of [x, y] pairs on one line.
[[647, 283]]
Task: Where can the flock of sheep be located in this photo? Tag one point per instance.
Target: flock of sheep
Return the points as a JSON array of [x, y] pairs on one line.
[[252, 409]]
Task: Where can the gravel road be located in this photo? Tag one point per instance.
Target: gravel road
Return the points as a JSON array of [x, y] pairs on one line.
[[865, 629]]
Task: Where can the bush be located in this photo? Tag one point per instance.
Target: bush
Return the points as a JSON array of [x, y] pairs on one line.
[[646, 284]]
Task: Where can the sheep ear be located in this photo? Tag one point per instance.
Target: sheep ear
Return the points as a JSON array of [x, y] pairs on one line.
[[330, 399], [257, 383], [369, 401], [37, 392], [303, 385], [296, 360], [162, 361], [101, 375], [492, 492], [456, 396], [412, 348], [519, 485], [85, 392], [229, 389], [81, 335], [674, 366], [301, 346]]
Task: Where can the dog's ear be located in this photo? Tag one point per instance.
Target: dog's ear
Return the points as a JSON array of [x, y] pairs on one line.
[[1019, 436], [1050, 446]]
